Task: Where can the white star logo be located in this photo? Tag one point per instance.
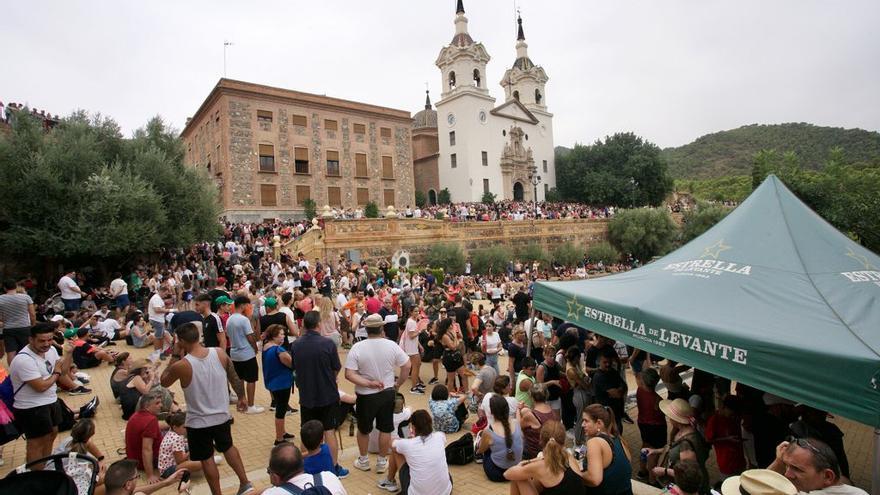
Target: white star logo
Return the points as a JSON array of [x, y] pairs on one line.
[[860, 258], [715, 249]]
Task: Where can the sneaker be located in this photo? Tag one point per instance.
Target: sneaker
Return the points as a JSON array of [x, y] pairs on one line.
[[341, 472], [433, 381], [389, 485], [421, 385], [245, 488], [381, 464], [627, 419], [362, 463], [288, 436], [255, 410], [80, 391], [292, 410], [416, 391], [478, 458]]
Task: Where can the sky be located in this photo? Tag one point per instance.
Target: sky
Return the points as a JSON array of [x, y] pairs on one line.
[[669, 70]]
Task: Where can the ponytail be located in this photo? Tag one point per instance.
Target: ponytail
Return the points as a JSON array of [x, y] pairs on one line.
[[501, 412], [598, 412], [553, 439]]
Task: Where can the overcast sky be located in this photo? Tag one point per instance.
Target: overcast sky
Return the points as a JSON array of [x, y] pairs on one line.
[[669, 70]]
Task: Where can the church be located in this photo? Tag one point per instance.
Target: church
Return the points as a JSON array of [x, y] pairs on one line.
[[482, 147]]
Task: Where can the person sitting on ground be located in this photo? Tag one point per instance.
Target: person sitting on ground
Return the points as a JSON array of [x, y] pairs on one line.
[[120, 373], [122, 477], [485, 377], [534, 418], [317, 457], [606, 467], [80, 442], [688, 478], [86, 355], [286, 468], [763, 481], [449, 412], [140, 335], [142, 378], [812, 466], [143, 435], [552, 473], [420, 460], [174, 451], [505, 449]]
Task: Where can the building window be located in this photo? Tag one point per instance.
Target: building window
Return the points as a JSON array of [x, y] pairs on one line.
[[334, 196], [516, 95], [360, 165], [451, 138], [360, 129], [333, 163], [453, 160], [538, 97], [389, 197], [485, 185], [267, 158], [299, 120], [451, 80], [485, 158], [264, 116], [217, 117], [546, 191], [301, 160], [387, 167], [330, 125], [385, 132], [302, 194], [477, 77], [363, 196], [545, 167], [267, 195]]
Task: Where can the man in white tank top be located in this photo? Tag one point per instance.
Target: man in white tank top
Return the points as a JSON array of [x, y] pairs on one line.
[[203, 373]]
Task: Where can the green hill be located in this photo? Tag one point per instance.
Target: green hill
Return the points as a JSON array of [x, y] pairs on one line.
[[730, 152]]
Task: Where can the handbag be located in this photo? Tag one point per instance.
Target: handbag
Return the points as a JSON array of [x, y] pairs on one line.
[[8, 430]]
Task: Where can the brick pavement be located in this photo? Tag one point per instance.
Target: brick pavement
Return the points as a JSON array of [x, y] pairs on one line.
[[254, 434]]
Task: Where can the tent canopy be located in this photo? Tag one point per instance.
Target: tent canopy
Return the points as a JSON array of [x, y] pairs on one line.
[[772, 296]]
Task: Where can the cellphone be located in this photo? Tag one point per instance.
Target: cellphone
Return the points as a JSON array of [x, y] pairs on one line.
[[183, 479]]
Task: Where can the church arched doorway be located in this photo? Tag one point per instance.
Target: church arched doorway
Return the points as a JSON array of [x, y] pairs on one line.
[[432, 197], [518, 191]]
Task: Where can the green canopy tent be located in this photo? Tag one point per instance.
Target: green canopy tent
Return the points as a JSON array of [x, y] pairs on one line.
[[772, 296]]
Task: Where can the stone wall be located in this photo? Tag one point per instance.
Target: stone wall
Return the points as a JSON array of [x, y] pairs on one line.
[[382, 238]]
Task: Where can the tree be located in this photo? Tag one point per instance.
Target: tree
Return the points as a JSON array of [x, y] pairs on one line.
[[493, 259], [81, 190], [488, 198], [604, 252], [643, 233], [623, 170], [567, 254], [531, 252], [443, 197], [371, 210], [446, 256], [421, 200], [553, 196], [310, 208], [698, 221]]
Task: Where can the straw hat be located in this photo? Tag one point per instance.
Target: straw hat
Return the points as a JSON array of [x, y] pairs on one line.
[[758, 482], [677, 410], [374, 320]]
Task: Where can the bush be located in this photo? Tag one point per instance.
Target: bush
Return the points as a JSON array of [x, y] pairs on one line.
[[446, 256], [371, 210], [310, 209], [421, 200], [553, 196], [604, 252], [531, 252], [698, 221], [567, 254], [493, 259], [643, 233], [444, 198], [488, 198]]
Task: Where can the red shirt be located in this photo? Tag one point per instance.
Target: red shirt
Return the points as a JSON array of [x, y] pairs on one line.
[[730, 451], [649, 412], [142, 425], [373, 305]]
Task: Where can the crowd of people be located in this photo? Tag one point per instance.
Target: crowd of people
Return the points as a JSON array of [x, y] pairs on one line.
[[543, 399], [490, 212], [8, 114]]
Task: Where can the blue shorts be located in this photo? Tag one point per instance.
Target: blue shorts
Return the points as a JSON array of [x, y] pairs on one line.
[[122, 301], [158, 328], [72, 304]]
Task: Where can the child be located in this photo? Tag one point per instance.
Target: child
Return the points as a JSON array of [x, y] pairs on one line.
[[449, 413], [174, 451], [316, 453]]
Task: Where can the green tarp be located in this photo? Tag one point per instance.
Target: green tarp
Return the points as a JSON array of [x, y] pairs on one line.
[[772, 296]]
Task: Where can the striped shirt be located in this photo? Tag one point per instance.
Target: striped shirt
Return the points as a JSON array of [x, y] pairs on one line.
[[14, 310]]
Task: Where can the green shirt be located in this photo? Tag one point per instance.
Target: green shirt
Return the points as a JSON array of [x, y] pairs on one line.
[[524, 397]]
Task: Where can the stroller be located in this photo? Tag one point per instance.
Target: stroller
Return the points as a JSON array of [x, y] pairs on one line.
[[63, 474]]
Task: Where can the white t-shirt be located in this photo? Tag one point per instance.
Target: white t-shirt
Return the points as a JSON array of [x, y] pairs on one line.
[[156, 303], [118, 287], [426, 458], [493, 343], [28, 366], [512, 404], [375, 359], [328, 479], [410, 345], [66, 285], [837, 490], [108, 327]]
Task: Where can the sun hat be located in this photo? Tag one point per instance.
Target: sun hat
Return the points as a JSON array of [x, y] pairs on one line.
[[374, 320], [758, 482], [677, 410]]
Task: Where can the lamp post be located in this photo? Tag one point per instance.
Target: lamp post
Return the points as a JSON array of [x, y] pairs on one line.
[[633, 184], [535, 179]]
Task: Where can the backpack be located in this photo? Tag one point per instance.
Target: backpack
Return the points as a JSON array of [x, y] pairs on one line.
[[317, 488], [461, 451]]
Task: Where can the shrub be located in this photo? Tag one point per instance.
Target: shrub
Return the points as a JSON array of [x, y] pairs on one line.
[[553, 196], [446, 256], [567, 254], [698, 221], [310, 209], [421, 199], [488, 198], [443, 198], [371, 210], [604, 252], [643, 233], [493, 259], [531, 252]]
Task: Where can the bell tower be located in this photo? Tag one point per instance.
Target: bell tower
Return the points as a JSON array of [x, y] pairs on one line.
[[525, 81], [463, 62]]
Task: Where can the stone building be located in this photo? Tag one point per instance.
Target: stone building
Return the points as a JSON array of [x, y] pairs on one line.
[[426, 151], [271, 149]]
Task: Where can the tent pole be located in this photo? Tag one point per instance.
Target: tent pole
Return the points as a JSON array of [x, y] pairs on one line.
[[531, 330], [875, 472]]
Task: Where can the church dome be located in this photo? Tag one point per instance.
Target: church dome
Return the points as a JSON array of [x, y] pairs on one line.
[[425, 118], [462, 40], [523, 63]]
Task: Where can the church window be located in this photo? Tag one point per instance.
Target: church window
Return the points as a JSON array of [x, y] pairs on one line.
[[387, 167], [267, 158], [299, 120], [485, 159], [303, 193], [485, 185], [538, 97], [516, 95], [333, 163], [545, 168], [360, 165], [451, 80], [477, 77], [360, 129], [453, 160], [330, 125], [451, 138], [264, 116], [385, 132], [301, 160]]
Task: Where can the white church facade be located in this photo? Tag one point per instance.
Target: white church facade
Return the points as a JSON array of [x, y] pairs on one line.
[[484, 146]]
